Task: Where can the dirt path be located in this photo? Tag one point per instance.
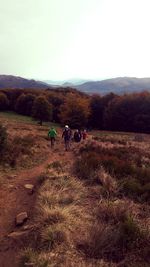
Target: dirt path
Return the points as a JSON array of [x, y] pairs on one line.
[[15, 199]]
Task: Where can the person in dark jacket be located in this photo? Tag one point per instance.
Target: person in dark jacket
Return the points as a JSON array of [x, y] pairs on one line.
[[66, 135], [77, 136]]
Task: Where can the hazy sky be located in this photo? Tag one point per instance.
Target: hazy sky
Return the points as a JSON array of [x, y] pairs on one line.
[[62, 39]]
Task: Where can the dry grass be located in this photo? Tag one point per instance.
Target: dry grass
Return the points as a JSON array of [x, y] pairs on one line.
[[53, 236], [114, 211], [109, 183], [93, 224]]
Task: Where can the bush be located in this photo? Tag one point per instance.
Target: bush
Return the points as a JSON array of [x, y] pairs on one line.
[[101, 243], [108, 182], [56, 165], [15, 148], [112, 211], [112, 242], [133, 188], [53, 236], [87, 165], [3, 138], [129, 233]]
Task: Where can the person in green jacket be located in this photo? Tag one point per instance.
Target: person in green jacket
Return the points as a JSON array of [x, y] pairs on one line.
[[52, 135]]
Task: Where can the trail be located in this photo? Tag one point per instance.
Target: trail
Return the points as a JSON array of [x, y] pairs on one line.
[[15, 199]]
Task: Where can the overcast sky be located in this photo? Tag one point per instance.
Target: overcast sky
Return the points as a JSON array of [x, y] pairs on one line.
[[63, 39]]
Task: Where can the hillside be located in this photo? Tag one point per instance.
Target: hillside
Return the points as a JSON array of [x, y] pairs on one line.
[[117, 85], [88, 206], [9, 81]]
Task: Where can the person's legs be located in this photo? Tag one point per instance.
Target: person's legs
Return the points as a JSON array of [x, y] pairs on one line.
[[52, 142], [66, 145]]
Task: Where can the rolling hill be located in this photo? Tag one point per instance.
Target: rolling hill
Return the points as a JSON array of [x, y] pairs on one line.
[[9, 81], [117, 85]]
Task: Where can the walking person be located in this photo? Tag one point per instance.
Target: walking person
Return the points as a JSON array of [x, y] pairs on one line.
[[84, 134], [66, 135], [77, 136], [52, 135]]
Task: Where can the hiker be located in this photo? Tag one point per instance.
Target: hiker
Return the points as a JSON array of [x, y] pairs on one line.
[[67, 135], [77, 136], [52, 134], [84, 134]]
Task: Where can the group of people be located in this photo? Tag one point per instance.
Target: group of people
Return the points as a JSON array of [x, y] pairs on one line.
[[67, 136]]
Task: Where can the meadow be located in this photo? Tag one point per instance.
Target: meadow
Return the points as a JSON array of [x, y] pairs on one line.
[[90, 206]]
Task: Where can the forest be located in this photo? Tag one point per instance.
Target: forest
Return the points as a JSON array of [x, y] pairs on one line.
[[128, 113]]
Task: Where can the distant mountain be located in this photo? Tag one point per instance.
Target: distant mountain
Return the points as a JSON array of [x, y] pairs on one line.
[[117, 85], [70, 82], [9, 81]]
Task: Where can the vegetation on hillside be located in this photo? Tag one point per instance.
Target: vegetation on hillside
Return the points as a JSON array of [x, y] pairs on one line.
[[111, 112], [92, 204]]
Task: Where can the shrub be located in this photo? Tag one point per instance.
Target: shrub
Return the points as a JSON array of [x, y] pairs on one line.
[[132, 187], [101, 243], [27, 256], [112, 211], [24, 144], [111, 242], [87, 165], [129, 233], [56, 165], [3, 138], [52, 216], [108, 182], [53, 236], [118, 161]]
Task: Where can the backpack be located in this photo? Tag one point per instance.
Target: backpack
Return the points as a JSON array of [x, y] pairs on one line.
[[67, 134], [77, 136]]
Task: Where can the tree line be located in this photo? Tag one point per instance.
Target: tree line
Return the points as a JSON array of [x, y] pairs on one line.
[[130, 112]]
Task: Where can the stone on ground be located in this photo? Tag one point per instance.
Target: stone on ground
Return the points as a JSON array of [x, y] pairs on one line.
[[30, 188], [21, 218]]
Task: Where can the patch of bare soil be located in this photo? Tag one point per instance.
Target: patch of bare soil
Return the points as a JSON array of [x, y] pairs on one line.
[[15, 198]]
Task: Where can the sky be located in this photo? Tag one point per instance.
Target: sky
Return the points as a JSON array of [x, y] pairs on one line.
[[64, 39]]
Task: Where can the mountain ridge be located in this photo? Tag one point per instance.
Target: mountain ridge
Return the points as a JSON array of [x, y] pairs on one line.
[[12, 82], [119, 85]]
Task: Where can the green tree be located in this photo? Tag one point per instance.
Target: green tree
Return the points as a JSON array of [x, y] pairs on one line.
[[42, 110]]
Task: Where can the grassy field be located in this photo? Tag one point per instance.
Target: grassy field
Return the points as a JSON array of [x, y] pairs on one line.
[[12, 116], [91, 204]]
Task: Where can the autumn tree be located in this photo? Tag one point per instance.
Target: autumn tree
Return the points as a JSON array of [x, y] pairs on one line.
[[129, 113], [96, 116], [56, 101], [98, 105], [42, 110], [24, 104], [75, 111], [4, 103]]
